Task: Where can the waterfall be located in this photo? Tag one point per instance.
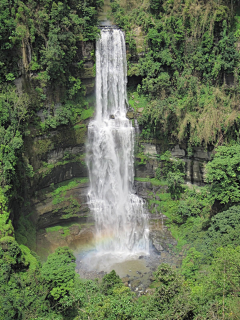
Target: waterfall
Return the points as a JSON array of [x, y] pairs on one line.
[[120, 215]]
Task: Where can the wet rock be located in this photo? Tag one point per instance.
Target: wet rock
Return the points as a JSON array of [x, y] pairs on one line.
[[125, 279], [158, 247], [135, 283], [161, 239], [149, 186], [130, 115], [147, 169], [150, 291]]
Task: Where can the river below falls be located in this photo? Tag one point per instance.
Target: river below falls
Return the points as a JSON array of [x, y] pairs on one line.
[[136, 271]]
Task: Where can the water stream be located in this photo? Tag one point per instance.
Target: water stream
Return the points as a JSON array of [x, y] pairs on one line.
[[120, 216]]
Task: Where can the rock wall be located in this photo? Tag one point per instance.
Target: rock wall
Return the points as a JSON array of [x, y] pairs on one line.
[[194, 162], [58, 190], [161, 239], [88, 72], [57, 195]]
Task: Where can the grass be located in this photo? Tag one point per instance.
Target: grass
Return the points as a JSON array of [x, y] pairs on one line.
[[79, 126], [135, 100], [87, 113], [65, 229], [143, 158], [154, 181], [48, 167], [59, 193], [56, 189]]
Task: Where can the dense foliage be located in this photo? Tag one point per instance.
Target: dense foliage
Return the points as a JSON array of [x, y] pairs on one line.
[[47, 32], [189, 68], [40, 41], [223, 172], [190, 79], [173, 171], [54, 291]]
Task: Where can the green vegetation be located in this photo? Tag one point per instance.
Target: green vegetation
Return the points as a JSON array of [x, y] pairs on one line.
[[209, 236], [59, 193], [186, 55], [153, 181], [224, 175], [60, 294], [86, 114], [173, 171], [189, 69], [6, 228], [13, 117], [48, 33], [41, 42], [62, 231], [136, 101], [205, 222], [26, 231]]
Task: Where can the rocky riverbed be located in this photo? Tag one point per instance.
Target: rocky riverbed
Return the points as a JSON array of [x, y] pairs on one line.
[[137, 272]]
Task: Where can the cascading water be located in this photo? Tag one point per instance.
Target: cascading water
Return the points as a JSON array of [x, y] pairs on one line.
[[120, 216]]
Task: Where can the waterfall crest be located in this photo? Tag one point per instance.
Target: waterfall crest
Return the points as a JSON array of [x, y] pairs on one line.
[[120, 215]]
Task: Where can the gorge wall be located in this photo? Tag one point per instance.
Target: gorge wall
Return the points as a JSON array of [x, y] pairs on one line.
[[57, 205], [56, 198]]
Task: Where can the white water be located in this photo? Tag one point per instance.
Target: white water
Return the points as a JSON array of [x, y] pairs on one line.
[[120, 216]]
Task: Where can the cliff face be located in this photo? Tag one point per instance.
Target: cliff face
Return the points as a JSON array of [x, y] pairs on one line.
[[147, 162], [59, 187], [56, 198], [58, 190]]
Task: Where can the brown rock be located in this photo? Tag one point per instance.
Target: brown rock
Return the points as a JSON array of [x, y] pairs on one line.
[[135, 283], [130, 115], [74, 230], [125, 279]]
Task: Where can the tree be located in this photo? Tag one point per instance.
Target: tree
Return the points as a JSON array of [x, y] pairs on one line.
[[8, 57], [109, 281], [175, 181], [172, 296], [58, 273], [173, 171], [219, 286], [13, 116], [223, 172], [22, 295], [224, 230]]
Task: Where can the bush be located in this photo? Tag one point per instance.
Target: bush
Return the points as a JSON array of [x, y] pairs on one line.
[[223, 172], [224, 230], [110, 281]]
